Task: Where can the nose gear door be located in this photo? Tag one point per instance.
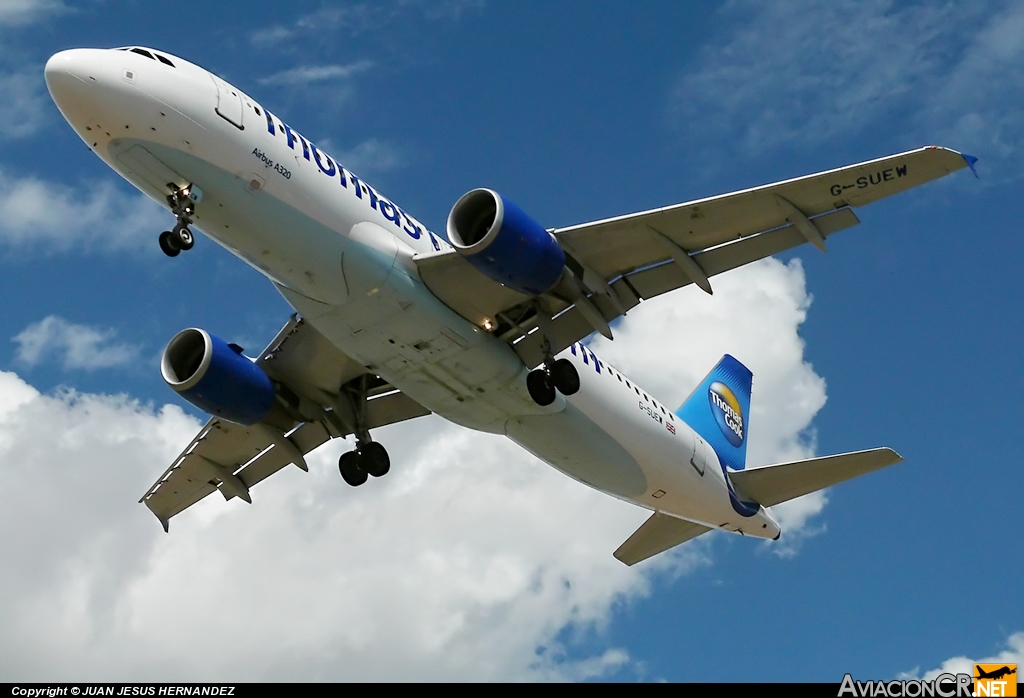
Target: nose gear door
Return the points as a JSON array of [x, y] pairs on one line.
[[229, 103]]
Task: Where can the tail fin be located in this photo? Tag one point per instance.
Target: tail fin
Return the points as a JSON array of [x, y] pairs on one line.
[[719, 410]]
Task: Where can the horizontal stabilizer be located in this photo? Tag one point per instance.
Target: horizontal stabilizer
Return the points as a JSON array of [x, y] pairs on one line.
[[774, 484], [658, 534]]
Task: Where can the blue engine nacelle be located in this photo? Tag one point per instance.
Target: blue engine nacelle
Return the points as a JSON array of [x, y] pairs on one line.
[[216, 378], [504, 243]]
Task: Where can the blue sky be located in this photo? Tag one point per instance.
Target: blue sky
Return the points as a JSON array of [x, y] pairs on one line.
[[905, 334]]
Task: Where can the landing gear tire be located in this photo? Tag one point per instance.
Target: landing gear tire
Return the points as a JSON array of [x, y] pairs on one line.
[[185, 238], [374, 459], [539, 386], [170, 243], [349, 467], [565, 377]]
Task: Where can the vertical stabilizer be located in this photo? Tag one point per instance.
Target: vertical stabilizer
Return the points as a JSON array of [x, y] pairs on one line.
[[719, 410]]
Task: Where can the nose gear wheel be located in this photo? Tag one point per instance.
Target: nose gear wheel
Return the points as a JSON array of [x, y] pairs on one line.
[[183, 203], [169, 244]]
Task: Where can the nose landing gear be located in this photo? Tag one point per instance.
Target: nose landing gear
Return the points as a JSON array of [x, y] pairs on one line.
[[183, 203]]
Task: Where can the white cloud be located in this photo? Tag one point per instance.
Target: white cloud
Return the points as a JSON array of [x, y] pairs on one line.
[[977, 106], [326, 20], [99, 217], [803, 73], [75, 346], [470, 560], [24, 108], [372, 156], [315, 73], [271, 35], [1013, 654], [22, 12], [446, 9]]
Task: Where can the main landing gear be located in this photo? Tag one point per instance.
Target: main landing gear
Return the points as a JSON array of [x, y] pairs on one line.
[[369, 457], [183, 204], [543, 382], [554, 375]]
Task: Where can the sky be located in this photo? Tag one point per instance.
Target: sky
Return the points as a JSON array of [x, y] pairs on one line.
[[472, 560]]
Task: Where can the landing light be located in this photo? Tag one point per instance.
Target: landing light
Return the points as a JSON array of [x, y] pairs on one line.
[[488, 324]]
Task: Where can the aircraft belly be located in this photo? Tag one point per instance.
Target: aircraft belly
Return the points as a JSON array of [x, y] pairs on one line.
[[404, 334], [571, 442]]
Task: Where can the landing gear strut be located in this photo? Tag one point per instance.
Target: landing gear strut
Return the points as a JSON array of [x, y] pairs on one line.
[[554, 375], [369, 457], [183, 204]]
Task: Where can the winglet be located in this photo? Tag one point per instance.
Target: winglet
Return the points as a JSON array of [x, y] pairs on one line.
[[970, 160]]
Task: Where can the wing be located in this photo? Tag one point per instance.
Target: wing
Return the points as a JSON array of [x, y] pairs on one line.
[[623, 261], [313, 376]]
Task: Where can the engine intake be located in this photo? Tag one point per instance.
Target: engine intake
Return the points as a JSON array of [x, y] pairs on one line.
[[504, 243], [216, 378]]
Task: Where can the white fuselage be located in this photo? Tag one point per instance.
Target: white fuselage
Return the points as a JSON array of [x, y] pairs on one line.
[[343, 255]]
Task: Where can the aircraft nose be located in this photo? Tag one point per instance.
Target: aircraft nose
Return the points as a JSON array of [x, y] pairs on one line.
[[65, 64], [67, 76]]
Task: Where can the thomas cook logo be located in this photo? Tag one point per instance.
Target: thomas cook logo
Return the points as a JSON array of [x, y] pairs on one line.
[[727, 411], [995, 679]]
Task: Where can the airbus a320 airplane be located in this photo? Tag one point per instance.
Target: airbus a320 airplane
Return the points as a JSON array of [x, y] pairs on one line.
[[481, 325]]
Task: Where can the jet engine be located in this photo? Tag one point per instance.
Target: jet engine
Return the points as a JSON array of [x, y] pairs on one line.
[[215, 377], [504, 243]]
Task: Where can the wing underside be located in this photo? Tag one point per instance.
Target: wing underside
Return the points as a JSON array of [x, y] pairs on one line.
[[231, 458], [623, 261]]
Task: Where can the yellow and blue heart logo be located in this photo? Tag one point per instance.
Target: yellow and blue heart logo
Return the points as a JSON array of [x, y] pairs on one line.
[[727, 411]]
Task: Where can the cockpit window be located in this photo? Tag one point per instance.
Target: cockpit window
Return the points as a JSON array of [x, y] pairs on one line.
[[163, 59], [143, 52]]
